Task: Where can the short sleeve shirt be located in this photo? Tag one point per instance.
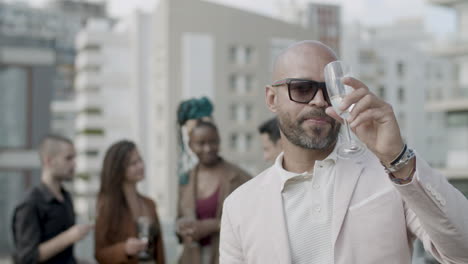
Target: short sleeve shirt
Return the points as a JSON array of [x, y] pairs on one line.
[[39, 218]]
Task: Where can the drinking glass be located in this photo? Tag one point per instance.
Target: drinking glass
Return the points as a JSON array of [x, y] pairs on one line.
[[144, 230], [334, 73], [184, 223]]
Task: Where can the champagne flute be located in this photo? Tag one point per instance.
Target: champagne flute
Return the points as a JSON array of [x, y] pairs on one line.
[[334, 73], [143, 229]]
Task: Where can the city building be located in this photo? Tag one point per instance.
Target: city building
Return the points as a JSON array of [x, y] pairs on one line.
[[322, 19], [27, 68], [451, 98], [36, 52], [104, 100], [392, 63], [397, 66], [131, 77], [207, 49]]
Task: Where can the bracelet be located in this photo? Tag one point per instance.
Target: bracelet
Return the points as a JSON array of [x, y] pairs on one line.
[[401, 160], [404, 180], [405, 147]]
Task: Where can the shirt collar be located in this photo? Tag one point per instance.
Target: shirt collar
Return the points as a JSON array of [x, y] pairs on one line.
[[287, 175], [47, 193]]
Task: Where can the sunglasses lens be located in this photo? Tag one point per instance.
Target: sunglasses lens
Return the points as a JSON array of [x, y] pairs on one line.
[[302, 91]]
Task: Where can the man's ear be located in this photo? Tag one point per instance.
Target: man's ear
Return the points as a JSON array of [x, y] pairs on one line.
[[271, 98], [47, 160]]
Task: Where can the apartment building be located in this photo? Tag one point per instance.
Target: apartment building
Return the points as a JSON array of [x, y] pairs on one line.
[[391, 61], [451, 99], [207, 49]]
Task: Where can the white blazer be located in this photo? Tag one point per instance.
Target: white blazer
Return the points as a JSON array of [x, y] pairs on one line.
[[374, 220]]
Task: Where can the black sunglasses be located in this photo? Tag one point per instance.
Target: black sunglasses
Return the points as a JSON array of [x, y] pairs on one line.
[[302, 90]]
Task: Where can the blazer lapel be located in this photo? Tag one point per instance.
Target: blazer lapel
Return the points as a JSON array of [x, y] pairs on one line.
[[346, 178], [274, 219]]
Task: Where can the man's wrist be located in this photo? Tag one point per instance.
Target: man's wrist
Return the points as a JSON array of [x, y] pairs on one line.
[[405, 156], [394, 154]]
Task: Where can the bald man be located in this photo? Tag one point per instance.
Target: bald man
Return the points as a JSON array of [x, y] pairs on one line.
[[44, 228], [313, 207]]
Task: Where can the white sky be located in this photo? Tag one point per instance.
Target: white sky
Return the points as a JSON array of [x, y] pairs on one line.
[[370, 12]]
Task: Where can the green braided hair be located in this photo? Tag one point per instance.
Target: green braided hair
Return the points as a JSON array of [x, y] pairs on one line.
[[190, 109], [194, 109]]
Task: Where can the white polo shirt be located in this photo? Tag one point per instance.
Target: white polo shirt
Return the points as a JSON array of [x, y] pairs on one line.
[[308, 210]]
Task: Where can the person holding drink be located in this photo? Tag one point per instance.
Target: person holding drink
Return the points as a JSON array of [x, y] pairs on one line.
[[127, 224], [335, 200], [201, 198]]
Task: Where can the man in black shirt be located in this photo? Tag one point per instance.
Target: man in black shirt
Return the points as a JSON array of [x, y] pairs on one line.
[[44, 228]]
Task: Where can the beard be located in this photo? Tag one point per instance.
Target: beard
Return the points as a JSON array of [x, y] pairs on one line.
[[315, 140], [64, 176]]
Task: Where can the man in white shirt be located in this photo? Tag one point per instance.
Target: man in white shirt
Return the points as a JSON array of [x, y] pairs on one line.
[[314, 207]]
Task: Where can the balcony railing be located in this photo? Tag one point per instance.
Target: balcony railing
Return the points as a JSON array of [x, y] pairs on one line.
[[456, 100], [449, 46], [447, 3]]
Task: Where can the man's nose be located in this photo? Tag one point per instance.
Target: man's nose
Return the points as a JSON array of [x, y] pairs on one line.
[[319, 100], [207, 147]]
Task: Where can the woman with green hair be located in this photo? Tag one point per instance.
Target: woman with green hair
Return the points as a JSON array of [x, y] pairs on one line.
[[188, 112], [206, 179]]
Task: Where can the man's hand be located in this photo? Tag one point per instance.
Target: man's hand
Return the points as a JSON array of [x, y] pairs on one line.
[[79, 231], [372, 120], [65, 239], [134, 245]]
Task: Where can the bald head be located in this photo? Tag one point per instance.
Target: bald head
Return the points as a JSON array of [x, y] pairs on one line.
[[52, 145], [302, 56]]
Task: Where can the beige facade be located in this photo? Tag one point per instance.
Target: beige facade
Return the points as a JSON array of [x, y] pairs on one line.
[[452, 98], [206, 49]]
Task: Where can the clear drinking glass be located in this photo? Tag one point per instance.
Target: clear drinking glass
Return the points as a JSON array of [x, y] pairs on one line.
[[144, 230], [334, 73], [184, 223]]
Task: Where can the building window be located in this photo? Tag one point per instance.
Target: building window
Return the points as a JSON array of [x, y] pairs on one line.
[[381, 92], [233, 112], [248, 83], [233, 83], [91, 68], [248, 112], [248, 140], [92, 132], [461, 185], [91, 153], [233, 55], [367, 56], [402, 122], [401, 94], [234, 141], [381, 68], [400, 69], [457, 119], [14, 107], [248, 54], [92, 111], [92, 48], [241, 55], [12, 188]]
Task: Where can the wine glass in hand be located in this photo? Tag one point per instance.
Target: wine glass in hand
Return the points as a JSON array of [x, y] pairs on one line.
[[334, 73], [143, 228]]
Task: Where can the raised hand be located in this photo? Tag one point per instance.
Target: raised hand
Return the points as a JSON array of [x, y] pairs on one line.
[[372, 120]]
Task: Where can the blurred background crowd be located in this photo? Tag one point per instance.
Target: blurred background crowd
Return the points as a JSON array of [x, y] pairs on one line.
[[179, 84]]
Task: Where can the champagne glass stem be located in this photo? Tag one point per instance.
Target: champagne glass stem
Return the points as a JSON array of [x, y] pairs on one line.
[[347, 131]]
